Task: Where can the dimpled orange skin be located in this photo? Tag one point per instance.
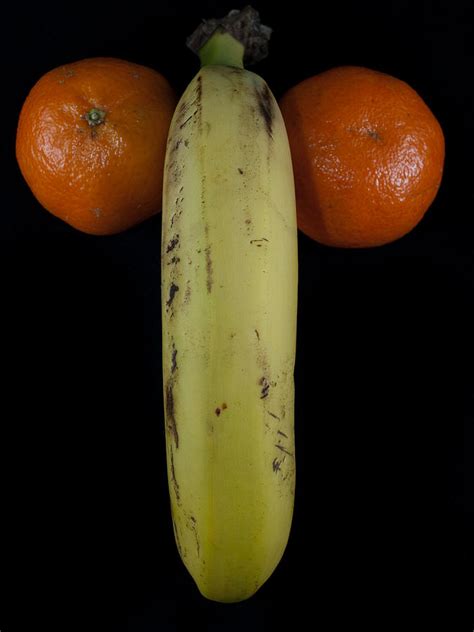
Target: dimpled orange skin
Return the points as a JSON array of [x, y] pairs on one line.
[[101, 178], [368, 156]]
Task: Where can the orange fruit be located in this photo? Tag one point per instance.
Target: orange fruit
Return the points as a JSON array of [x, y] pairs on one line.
[[91, 143], [368, 156]]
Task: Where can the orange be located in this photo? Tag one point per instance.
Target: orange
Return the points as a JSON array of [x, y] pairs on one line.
[[367, 153], [91, 143]]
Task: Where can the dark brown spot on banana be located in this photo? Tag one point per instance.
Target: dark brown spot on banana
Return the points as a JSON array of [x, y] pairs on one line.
[[174, 353], [186, 121], [170, 412], [264, 383], [209, 279], [266, 107], [172, 244], [199, 100], [173, 289], [199, 89], [283, 449], [187, 293], [173, 477], [191, 524]]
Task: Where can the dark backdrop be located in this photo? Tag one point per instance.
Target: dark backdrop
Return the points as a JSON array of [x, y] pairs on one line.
[[383, 523]]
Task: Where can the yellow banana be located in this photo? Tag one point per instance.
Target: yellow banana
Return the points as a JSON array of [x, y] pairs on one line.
[[229, 300]]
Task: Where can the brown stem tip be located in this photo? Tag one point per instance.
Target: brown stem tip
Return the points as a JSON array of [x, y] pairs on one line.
[[243, 25]]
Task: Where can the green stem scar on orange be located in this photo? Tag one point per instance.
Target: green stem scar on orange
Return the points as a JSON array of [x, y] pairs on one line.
[[95, 116]]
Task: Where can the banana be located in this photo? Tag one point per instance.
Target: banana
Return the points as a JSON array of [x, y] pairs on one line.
[[229, 302]]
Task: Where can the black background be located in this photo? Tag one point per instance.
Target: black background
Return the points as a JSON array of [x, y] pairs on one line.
[[384, 514]]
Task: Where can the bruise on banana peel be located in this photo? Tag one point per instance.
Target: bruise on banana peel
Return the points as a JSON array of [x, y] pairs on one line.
[[172, 291], [172, 244], [265, 104], [209, 280], [170, 412], [174, 353]]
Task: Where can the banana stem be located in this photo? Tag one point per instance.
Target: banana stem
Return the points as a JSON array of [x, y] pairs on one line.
[[238, 37], [222, 49]]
